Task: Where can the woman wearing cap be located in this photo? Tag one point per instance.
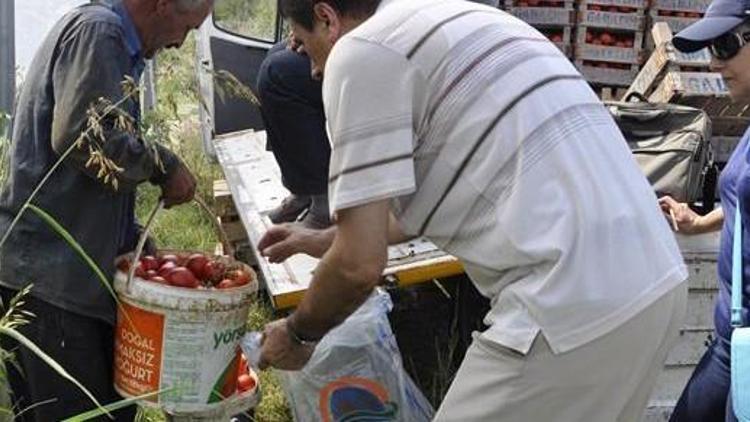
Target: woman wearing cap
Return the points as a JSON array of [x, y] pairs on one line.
[[725, 30]]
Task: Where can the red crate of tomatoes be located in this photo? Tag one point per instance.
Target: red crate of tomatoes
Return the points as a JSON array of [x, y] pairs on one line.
[[192, 270]]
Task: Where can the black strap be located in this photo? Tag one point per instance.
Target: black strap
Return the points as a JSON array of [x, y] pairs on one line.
[[637, 95]]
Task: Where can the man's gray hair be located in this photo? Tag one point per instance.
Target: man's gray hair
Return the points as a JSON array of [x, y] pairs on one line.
[[189, 5]]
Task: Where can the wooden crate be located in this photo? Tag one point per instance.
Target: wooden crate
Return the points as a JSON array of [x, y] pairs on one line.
[[703, 90], [564, 4], [610, 93], [676, 24], [591, 51], [562, 37], [664, 59], [223, 204], [606, 76], [626, 4], [586, 17], [544, 16], [699, 6]]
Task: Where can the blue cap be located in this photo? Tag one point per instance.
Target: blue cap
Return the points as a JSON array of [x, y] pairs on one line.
[[721, 17]]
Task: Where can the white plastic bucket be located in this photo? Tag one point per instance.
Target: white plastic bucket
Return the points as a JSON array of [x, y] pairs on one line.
[[184, 341]]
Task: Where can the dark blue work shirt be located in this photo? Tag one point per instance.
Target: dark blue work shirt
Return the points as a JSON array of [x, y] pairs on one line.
[[734, 183], [85, 56]]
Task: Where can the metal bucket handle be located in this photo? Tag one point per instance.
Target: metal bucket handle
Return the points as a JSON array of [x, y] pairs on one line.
[[226, 245]]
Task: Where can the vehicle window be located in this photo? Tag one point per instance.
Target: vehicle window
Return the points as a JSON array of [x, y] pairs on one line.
[[247, 18]]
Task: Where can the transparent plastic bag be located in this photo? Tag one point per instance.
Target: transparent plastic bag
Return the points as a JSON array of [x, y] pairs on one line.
[[356, 373]]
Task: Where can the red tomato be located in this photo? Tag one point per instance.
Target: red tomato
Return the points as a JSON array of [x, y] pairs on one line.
[[589, 37], [197, 264], [158, 279], [606, 38], [182, 277], [167, 268], [628, 43], [226, 284], [556, 38], [239, 277], [214, 271], [168, 258], [149, 263], [245, 382], [533, 3], [595, 7], [140, 272]]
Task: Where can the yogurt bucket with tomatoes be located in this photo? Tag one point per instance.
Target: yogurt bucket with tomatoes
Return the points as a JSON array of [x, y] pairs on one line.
[[179, 325]]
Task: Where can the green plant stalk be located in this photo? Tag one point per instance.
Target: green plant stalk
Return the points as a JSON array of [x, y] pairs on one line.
[[34, 193], [10, 332], [49, 174], [60, 230], [91, 414]]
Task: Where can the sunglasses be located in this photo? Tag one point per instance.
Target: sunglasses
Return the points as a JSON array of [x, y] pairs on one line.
[[728, 45]]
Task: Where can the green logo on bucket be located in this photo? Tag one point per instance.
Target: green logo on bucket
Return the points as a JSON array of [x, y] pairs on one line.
[[229, 336]]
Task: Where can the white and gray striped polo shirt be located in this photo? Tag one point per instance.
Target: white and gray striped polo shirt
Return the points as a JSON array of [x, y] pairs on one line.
[[493, 146]]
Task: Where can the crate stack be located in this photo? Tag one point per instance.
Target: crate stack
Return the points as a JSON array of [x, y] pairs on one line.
[[553, 18], [678, 14], [609, 41]]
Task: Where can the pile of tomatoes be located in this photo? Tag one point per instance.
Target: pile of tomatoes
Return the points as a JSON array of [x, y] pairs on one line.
[[610, 9], [245, 382], [193, 271], [610, 39], [680, 14], [540, 3]]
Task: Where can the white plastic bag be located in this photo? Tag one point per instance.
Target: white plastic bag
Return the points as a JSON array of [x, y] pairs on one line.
[[356, 374]]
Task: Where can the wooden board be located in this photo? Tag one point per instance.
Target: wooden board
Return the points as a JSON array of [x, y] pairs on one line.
[[605, 76], [610, 20], [681, 5], [663, 60], [544, 16], [697, 89], [600, 53], [254, 179], [633, 4]]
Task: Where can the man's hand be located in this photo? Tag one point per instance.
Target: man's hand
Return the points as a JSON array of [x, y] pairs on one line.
[[284, 240], [179, 187], [278, 350], [681, 217]]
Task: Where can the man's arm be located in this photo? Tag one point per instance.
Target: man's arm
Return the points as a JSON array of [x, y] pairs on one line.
[[91, 64], [343, 280]]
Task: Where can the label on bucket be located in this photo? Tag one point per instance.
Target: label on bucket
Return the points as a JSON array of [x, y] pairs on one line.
[[139, 347]]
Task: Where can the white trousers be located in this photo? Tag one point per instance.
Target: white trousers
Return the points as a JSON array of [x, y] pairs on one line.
[[608, 379]]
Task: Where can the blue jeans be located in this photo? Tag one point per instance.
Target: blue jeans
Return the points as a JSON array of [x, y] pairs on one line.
[[706, 396]]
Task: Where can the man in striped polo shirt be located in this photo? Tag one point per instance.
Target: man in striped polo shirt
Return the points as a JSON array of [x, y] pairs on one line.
[[458, 122]]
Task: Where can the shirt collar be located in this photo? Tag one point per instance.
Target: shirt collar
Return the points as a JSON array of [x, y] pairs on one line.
[[132, 40]]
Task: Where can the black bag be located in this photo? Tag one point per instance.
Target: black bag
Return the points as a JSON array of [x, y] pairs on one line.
[[672, 146]]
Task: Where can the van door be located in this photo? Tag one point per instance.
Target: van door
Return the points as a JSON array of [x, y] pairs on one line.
[[235, 38]]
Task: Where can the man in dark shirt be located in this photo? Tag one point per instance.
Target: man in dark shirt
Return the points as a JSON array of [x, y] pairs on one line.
[[295, 126], [85, 56]]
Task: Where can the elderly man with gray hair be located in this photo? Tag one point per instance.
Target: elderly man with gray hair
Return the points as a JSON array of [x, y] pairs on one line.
[[85, 56]]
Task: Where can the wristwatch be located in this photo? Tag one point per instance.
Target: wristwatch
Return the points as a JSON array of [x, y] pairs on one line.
[[296, 338]]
